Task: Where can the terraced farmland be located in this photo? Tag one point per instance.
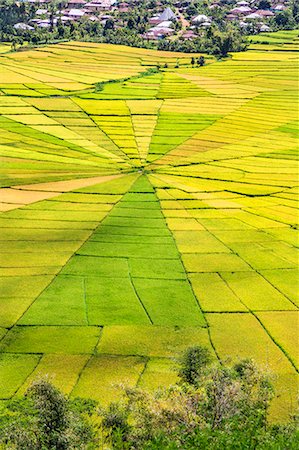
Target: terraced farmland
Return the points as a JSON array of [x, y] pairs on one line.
[[145, 216]]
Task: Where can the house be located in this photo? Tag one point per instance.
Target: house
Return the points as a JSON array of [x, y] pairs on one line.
[[242, 3], [123, 7], [201, 18], [41, 12], [162, 31], [154, 35], [231, 17], [205, 24], [74, 4], [93, 19], [104, 18], [264, 13], [107, 5], [279, 8], [164, 24], [252, 16], [189, 35], [150, 36], [65, 19], [264, 28], [154, 20], [241, 11], [45, 23], [22, 26], [243, 24], [75, 13], [167, 14], [93, 7]]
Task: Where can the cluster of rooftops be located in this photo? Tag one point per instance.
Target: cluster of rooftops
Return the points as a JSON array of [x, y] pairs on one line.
[[160, 25]]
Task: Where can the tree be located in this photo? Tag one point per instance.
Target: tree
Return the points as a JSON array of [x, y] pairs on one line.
[[226, 408], [60, 28], [109, 25], [241, 393], [191, 11], [192, 364], [284, 19], [45, 419], [264, 4], [14, 42], [37, 37], [177, 25], [220, 43], [295, 10], [53, 419], [215, 406], [192, 61], [131, 23], [115, 422], [201, 61]]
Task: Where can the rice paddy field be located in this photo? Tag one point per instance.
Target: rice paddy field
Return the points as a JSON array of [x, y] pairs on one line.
[[278, 40], [154, 213]]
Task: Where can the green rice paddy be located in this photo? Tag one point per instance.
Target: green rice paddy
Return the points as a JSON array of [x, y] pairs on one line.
[[155, 213]]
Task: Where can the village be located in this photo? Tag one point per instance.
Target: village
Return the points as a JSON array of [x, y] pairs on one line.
[[183, 19]]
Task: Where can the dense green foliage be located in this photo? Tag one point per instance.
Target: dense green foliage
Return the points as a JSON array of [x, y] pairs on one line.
[[213, 41], [45, 419], [212, 406], [192, 363]]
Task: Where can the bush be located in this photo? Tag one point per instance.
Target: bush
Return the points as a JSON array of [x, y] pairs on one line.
[[45, 419], [212, 407]]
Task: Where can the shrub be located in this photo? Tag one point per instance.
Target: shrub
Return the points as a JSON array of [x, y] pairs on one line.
[[212, 407], [45, 419]]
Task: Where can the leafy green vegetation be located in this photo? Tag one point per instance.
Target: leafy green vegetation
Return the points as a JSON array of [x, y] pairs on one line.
[[210, 406]]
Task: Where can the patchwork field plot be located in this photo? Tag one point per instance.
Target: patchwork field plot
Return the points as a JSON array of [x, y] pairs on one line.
[[146, 215]]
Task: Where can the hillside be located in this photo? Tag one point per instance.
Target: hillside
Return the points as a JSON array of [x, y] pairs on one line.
[[145, 215]]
